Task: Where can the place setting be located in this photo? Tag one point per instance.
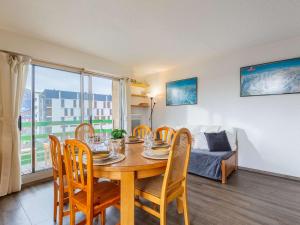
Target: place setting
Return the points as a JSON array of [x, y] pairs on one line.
[[106, 152], [155, 148], [134, 140]]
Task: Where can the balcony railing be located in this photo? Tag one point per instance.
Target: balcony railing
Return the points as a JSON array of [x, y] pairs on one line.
[[102, 128]]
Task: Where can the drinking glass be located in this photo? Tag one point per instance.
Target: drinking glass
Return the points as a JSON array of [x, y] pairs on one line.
[[114, 148], [86, 138], [107, 143], [148, 140]]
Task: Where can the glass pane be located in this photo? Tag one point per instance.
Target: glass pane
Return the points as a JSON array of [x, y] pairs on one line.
[[26, 132], [102, 106], [57, 104]]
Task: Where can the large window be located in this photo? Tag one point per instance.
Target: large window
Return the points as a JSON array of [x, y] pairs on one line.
[[55, 102], [101, 96]]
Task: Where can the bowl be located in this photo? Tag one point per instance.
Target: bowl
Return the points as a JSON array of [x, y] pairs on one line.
[[160, 151], [132, 138], [101, 155], [158, 142]]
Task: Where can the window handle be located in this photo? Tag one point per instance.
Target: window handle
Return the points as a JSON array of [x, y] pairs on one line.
[[20, 123]]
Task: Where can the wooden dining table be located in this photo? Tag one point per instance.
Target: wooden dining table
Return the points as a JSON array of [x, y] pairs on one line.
[[133, 167]]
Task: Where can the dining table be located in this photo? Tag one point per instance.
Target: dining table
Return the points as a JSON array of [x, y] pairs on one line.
[[133, 167]]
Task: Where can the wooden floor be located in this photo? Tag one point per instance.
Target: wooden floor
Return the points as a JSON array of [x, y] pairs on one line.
[[248, 198]]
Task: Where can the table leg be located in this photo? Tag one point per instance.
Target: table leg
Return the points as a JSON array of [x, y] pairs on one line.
[[127, 198]]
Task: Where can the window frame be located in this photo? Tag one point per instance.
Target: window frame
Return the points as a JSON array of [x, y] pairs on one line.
[[82, 73]]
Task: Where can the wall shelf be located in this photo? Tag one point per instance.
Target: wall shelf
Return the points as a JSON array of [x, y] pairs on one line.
[[140, 103], [141, 106], [140, 96], [141, 85]]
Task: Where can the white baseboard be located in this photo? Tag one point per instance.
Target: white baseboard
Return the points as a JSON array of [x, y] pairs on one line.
[[269, 173]]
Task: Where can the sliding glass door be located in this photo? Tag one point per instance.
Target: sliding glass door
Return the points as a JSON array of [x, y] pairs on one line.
[[97, 106], [57, 93], [55, 102], [101, 108]]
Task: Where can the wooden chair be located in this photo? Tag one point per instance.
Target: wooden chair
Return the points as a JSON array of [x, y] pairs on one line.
[[83, 130], [141, 131], [161, 190], [85, 195], [60, 190], [165, 133]]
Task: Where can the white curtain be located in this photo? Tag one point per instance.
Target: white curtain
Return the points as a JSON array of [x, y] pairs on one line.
[[125, 104], [13, 74]]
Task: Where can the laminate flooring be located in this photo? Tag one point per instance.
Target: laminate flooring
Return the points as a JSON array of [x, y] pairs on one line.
[[248, 199]]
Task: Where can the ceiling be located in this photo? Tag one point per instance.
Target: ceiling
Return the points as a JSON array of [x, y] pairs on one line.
[[153, 35]]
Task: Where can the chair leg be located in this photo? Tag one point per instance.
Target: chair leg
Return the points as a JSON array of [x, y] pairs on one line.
[[179, 203], [72, 214], [61, 207], [103, 217], [89, 218], [163, 214], [185, 207], [55, 192]]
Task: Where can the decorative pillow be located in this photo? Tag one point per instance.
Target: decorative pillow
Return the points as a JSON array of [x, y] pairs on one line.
[[217, 142], [199, 141], [231, 136]]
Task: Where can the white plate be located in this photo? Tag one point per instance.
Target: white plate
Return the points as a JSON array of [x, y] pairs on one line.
[[164, 145], [163, 151], [98, 147], [101, 158], [108, 161], [150, 156]]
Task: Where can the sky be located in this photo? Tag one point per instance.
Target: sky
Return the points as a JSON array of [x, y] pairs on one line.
[[46, 78]]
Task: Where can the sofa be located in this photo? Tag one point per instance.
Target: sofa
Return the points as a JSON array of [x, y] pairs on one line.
[[213, 165]]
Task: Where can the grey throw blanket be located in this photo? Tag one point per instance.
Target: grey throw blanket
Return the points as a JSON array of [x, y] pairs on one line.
[[206, 163]]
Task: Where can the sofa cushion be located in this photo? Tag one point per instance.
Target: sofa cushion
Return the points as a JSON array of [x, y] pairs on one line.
[[217, 142], [199, 140]]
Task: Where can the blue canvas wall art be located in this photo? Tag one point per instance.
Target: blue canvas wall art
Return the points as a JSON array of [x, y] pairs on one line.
[[182, 92], [281, 77]]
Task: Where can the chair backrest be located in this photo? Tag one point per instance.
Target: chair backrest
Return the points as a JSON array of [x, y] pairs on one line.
[[79, 168], [165, 133], [141, 131], [83, 130], [56, 158], [177, 166]]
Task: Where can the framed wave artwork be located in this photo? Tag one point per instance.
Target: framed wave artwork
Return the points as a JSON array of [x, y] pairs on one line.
[[182, 92], [274, 78]]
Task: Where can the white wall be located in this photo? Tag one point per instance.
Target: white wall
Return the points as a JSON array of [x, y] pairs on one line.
[[269, 136], [58, 54]]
